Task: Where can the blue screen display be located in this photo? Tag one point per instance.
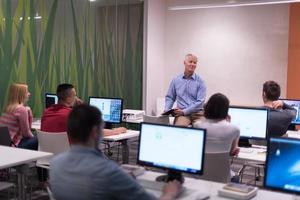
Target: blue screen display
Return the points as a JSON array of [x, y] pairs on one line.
[[295, 104], [283, 168], [111, 109]]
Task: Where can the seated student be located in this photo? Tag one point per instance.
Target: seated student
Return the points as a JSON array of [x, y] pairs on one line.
[[54, 118], [281, 114], [83, 172], [18, 117], [222, 136]]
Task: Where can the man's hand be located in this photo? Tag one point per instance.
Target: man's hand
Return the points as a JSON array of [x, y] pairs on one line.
[[277, 104], [119, 130], [228, 118], [235, 151], [178, 112], [171, 190], [77, 101]]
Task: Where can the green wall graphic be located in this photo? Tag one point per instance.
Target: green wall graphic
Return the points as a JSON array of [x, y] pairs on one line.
[[97, 48]]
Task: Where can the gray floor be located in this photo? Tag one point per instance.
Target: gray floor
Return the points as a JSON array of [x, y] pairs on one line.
[[37, 192]]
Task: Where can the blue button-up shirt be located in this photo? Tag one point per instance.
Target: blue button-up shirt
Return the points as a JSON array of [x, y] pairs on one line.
[[188, 92], [83, 173]]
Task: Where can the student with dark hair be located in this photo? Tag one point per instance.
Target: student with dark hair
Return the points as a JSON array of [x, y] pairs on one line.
[[222, 136], [54, 118], [84, 173], [281, 114]]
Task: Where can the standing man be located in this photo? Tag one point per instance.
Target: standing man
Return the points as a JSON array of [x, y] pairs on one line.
[[189, 90]]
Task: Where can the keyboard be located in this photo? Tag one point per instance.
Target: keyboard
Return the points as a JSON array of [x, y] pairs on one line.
[[157, 187], [152, 185]]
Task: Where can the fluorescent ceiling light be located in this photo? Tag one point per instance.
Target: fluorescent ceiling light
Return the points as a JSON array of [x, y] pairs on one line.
[[230, 4]]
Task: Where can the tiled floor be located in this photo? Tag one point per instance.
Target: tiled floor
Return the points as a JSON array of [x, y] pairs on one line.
[[36, 192]]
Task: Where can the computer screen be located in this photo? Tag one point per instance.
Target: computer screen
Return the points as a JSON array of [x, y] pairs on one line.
[[111, 108], [295, 104], [172, 147], [283, 165], [50, 99], [252, 122]]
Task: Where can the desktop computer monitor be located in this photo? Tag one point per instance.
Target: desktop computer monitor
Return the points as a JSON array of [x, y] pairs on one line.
[[282, 170], [50, 99], [177, 149], [252, 122], [295, 104], [111, 109]]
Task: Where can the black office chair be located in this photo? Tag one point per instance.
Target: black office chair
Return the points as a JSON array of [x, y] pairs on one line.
[[5, 139]]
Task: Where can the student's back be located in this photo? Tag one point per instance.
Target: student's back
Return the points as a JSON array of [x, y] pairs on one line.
[[220, 135], [83, 173], [279, 121]]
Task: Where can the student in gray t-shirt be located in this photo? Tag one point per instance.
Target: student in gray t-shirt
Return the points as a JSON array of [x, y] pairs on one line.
[[84, 173], [281, 114], [222, 136]]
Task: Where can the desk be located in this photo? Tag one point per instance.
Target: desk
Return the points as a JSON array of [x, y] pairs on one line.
[[293, 134], [252, 154], [123, 139], [11, 157], [211, 188]]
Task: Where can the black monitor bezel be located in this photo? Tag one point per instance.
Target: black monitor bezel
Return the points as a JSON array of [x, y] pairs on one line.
[[143, 163], [267, 164], [291, 100], [48, 93], [254, 108], [121, 114]]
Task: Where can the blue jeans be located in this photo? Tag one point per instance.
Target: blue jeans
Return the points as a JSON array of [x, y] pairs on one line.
[[29, 143]]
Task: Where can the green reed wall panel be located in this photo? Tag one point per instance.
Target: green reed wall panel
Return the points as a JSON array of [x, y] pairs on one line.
[[98, 48]]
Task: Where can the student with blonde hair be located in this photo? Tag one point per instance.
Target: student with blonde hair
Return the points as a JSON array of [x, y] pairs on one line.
[[18, 117]]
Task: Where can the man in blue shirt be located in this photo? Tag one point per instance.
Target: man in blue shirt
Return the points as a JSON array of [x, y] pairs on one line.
[[84, 173], [189, 90]]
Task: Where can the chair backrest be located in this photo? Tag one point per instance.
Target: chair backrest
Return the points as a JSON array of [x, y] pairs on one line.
[[52, 142], [217, 167], [5, 139], [156, 119]]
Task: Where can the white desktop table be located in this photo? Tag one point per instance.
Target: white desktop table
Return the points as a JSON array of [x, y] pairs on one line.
[[123, 139], [16, 157], [255, 154], [199, 186]]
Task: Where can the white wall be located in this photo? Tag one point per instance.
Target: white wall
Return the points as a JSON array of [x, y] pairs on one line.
[[238, 49], [154, 49]]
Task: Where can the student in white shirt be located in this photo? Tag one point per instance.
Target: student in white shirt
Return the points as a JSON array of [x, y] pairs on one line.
[[222, 136]]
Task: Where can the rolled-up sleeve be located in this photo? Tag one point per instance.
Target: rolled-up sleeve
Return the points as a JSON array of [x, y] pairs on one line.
[[171, 96], [24, 122]]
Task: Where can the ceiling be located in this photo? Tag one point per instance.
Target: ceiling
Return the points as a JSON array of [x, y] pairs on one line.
[[194, 4]]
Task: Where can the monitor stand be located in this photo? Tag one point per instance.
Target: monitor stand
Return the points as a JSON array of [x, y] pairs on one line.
[[172, 175], [244, 143], [108, 125]]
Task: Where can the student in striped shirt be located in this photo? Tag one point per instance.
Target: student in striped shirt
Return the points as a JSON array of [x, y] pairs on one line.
[[18, 117]]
